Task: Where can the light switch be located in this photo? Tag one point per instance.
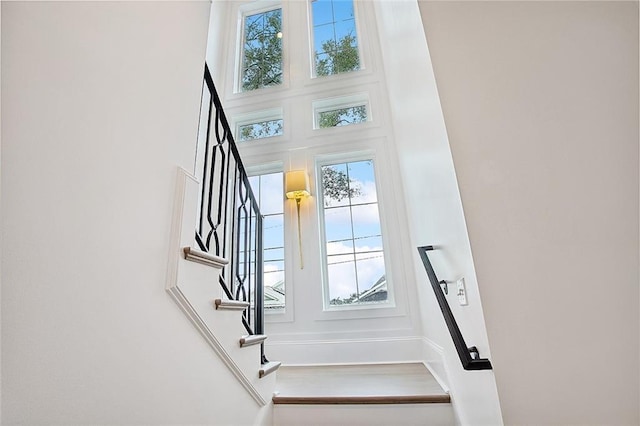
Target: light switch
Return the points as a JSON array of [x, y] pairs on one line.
[[462, 292]]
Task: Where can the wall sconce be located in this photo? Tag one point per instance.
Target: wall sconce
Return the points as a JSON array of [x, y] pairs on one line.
[[296, 183]]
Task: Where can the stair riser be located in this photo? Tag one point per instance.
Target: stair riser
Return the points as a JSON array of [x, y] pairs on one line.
[[364, 415]]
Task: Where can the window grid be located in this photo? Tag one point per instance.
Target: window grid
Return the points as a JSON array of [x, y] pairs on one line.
[[335, 38], [350, 253], [268, 189]]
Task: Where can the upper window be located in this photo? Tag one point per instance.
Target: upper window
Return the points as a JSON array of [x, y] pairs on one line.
[[335, 41], [262, 50], [354, 256]]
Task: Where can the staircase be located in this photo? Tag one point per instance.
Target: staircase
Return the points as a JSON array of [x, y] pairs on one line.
[[215, 277], [193, 278], [215, 260], [374, 394]]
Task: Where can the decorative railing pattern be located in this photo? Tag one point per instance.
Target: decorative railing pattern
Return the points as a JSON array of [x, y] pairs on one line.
[[229, 223], [469, 356]]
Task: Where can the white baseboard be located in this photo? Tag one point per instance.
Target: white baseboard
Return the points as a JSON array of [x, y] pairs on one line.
[[433, 358]]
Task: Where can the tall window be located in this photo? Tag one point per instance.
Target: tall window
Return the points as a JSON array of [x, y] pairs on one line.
[[355, 269], [262, 50], [268, 189], [335, 40]]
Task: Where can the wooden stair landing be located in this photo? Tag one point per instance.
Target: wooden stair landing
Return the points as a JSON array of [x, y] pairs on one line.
[[358, 384]]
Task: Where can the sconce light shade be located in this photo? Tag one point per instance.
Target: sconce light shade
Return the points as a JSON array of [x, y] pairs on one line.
[[296, 183]]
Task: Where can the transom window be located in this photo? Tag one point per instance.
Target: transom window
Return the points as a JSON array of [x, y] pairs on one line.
[[258, 124], [268, 189], [335, 41], [261, 50], [354, 254], [342, 116], [341, 111], [260, 129]]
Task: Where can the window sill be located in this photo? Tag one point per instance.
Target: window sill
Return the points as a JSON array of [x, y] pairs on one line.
[[360, 312]]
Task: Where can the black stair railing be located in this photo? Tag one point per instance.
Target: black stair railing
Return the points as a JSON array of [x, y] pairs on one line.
[[469, 356], [229, 222]]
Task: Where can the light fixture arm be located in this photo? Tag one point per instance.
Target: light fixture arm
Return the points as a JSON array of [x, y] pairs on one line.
[[299, 233], [297, 188]]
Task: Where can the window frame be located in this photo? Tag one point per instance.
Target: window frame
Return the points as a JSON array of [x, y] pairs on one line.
[[338, 102], [331, 159], [257, 117]]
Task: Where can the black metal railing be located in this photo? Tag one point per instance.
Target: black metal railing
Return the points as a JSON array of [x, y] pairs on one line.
[[229, 223], [469, 356]]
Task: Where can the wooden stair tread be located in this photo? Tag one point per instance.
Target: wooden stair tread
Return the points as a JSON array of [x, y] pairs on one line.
[[360, 400], [407, 383], [269, 368], [231, 305], [252, 339]]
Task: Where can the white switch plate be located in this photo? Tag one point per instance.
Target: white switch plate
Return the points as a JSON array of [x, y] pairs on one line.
[[462, 292]]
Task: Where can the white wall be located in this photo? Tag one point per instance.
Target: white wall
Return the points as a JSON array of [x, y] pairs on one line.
[[216, 43], [100, 105], [541, 105], [435, 210]]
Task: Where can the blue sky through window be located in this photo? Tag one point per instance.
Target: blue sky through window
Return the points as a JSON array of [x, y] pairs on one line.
[[334, 36], [355, 257]]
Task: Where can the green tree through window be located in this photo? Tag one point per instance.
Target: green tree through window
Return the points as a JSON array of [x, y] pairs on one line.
[[334, 34], [262, 50], [343, 116]]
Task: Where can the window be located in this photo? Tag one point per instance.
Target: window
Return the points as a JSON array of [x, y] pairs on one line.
[[354, 256], [268, 190], [341, 111], [259, 130], [258, 125], [342, 116], [261, 50], [335, 41]]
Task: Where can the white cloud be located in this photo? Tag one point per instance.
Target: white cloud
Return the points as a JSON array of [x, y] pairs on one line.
[[342, 274], [271, 275]]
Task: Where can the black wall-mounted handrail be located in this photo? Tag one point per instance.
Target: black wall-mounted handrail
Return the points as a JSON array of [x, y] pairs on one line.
[[469, 356]]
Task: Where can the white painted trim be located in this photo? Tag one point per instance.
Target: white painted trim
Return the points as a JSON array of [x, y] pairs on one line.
[[218, 348], [181, 231], [439, 350]]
